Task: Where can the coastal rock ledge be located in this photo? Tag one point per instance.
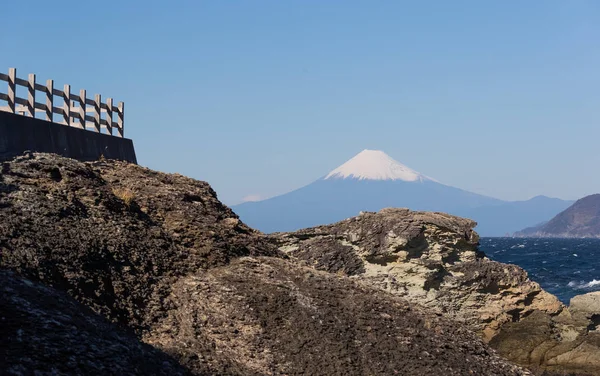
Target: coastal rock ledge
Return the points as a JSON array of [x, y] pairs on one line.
[[118, 269], [433, 260], [111, 268]]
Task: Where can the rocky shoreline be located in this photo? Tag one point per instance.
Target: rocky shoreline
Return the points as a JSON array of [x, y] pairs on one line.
[[433, 260], [150, 274]]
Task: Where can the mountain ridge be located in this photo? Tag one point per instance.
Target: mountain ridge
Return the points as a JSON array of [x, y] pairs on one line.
[[371, 181], [580, 220]]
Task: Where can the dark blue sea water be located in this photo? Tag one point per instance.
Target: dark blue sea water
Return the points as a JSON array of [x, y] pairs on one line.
[[563, 267]]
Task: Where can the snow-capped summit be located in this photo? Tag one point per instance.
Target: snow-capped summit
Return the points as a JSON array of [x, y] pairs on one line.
[[371, 181], [375, 165]]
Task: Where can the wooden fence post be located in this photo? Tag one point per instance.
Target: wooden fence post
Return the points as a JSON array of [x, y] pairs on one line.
[[31, 95], [82, 106], [97, 112], [67, 105], [49, 100], [109, 115], [121, 119], [12, 89]]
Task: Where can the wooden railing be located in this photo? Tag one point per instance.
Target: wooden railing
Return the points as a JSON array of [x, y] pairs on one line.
[[74, 110]]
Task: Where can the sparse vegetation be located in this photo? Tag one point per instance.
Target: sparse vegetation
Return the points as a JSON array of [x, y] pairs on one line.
[[126, 194]]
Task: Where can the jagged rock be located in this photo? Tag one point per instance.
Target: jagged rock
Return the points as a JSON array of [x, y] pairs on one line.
[[160, 255], [428, 258], [585, 309], [298, 321], [45, 332], [114, 235], [432, 259], [536, 341]]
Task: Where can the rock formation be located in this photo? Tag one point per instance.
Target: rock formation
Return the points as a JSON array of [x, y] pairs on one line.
[[46, 332], [428, 258], [163, 260], [432, 259]]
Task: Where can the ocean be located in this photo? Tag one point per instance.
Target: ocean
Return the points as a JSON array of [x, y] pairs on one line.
[[563, 267]]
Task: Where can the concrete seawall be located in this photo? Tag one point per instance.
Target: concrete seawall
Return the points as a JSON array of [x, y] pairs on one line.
[[21, 133]]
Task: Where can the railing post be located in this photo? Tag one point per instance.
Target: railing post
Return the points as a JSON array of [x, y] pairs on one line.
[[49, 100], [97, 112], [70, 112], [121, 120], [31, 95], [67, 105], [109, 115], [82, 106], [12, 89]]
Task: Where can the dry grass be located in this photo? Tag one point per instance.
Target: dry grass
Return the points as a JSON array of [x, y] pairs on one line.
[[125, 194]]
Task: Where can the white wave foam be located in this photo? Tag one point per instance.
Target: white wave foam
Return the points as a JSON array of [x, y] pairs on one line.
[[583, 284], [593, 283]]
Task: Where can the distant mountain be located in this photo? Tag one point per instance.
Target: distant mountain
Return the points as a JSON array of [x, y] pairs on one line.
[[372, 180], [511, 216], [580, 220]]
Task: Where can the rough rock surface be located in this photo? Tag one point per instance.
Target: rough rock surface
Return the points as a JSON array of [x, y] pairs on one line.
[[586, 307], [537, 341], [114, 235], [276, 318], [428, 258], [432, 259], [46, 332], [585, 311], [159, 255]]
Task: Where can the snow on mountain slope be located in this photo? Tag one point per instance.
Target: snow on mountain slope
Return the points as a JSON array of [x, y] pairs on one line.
[[371, 181], [375, 165]]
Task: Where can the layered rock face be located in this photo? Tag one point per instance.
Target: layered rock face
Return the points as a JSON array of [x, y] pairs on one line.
[[163, 260], [432, 259], [428, 258], [578, 352]]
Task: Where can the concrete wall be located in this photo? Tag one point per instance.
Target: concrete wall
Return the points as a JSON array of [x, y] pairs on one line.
[[21, 133]]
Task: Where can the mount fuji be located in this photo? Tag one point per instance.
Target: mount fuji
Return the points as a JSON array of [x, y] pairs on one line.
[[371, 181]]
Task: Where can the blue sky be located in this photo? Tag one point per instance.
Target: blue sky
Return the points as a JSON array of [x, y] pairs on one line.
[[261, 97]]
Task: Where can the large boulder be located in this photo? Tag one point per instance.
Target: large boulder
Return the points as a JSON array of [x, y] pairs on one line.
[[586, 309]]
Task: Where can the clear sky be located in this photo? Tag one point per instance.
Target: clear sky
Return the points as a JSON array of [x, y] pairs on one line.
[[262, 97]]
